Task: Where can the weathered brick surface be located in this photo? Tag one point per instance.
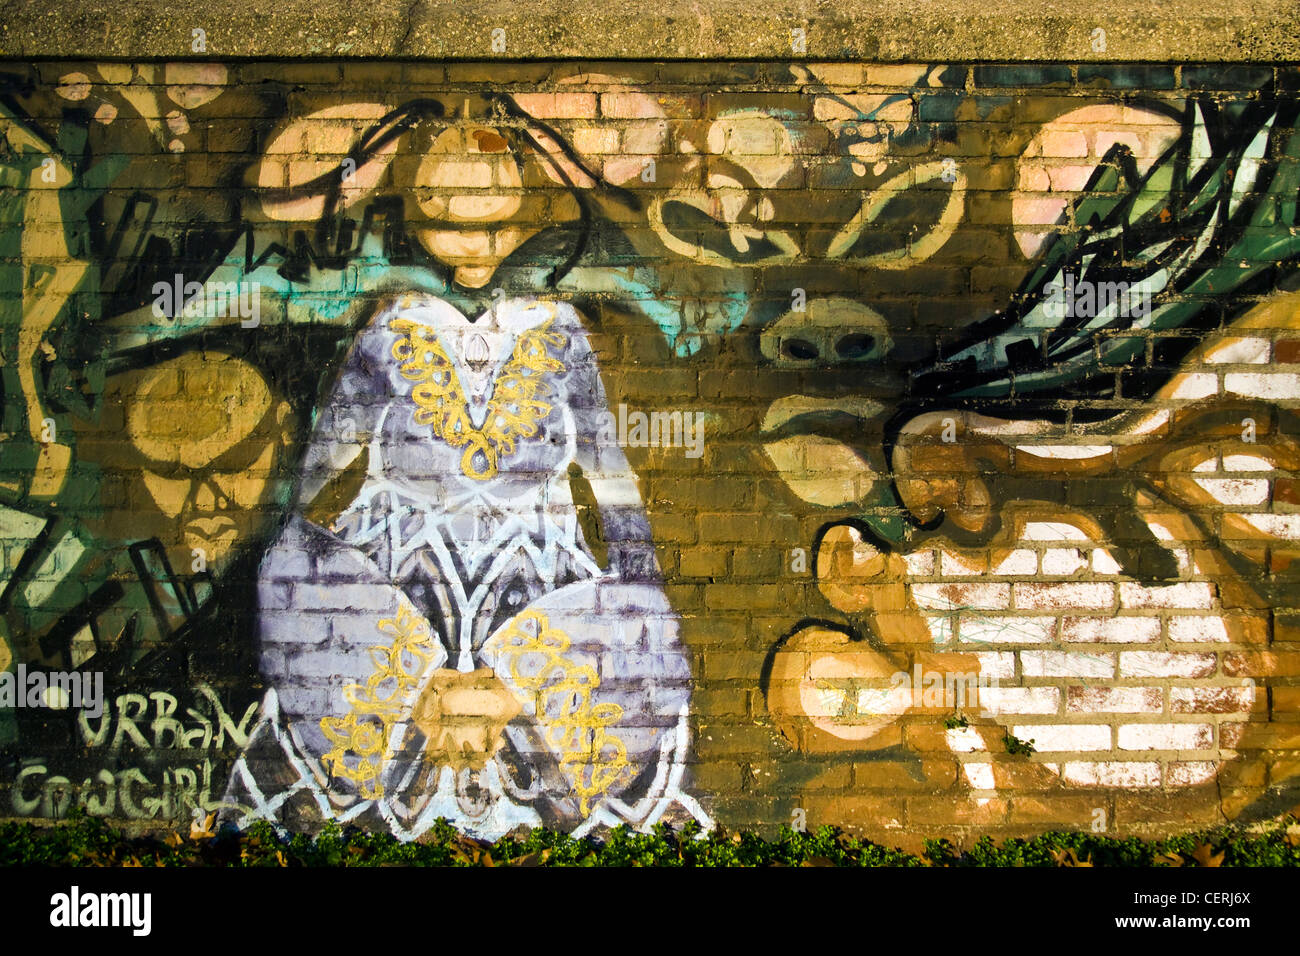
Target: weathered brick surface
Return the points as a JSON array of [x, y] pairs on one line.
[[758, 446]]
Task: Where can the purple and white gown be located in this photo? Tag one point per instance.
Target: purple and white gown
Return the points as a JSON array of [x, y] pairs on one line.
[[464, 549]]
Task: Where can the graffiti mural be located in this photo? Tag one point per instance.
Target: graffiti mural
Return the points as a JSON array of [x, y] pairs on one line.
[[457, 594], [905, 448]]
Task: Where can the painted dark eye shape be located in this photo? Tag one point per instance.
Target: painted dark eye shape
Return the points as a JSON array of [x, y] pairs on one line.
[[799, 349], [855, 346], [897, 220], [905, 220], [698, 234]]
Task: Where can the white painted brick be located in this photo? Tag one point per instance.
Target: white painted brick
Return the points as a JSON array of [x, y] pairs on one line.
[[920, 563], [1263, 384], [1065, 596], [1235, 463], [979, 775], [361, 596], [1066, 664], [997, 664], [941, 627], [1018, 562], [1281, 526], [940, 597], [964, 740], [1005, 630], [1165, 664], [1189, 629], [288, 564], [1188, 773], [1166, 737], [952, 566], [1110, 630], [1115, 700], [1220, 700], [1237, 491], [1112, 773], [1053, 531], [1196, 385], [1063, 561], [1103, 563], [1247, 350], [1190, 594], [312, 663], [1021, 700], [275, 595], [1064, 737]]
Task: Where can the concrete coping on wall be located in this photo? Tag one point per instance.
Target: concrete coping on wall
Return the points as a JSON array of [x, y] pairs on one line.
[[850, 30]]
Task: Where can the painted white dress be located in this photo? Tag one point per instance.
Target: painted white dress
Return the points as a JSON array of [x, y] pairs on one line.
[[464, 550]]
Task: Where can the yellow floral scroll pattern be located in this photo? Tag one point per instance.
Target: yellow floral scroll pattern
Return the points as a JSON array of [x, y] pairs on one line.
[[516, 405], [533, 654], [360, 739]]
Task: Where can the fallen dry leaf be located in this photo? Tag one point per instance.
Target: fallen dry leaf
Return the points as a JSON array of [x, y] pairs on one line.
[[1068, 857], [1204, 855]]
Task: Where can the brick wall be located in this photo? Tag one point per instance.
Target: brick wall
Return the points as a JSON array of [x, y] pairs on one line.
[[585, 443]]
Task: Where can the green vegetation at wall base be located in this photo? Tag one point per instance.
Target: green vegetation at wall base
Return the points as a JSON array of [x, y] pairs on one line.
[[87, 841]]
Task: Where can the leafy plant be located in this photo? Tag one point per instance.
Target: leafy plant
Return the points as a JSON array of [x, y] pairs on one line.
[[1017, 746], [88, 841]]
